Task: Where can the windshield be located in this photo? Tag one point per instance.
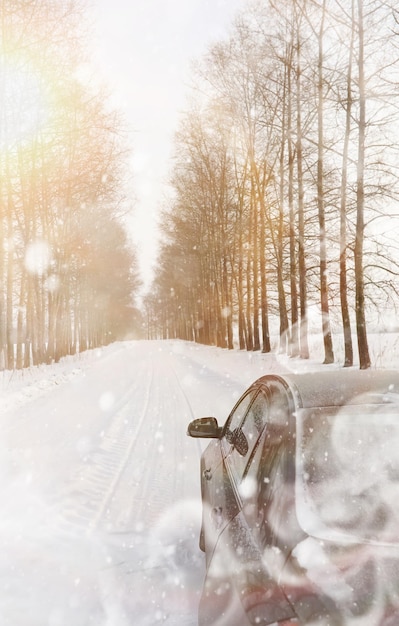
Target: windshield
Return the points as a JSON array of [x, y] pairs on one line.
[[348, 473]]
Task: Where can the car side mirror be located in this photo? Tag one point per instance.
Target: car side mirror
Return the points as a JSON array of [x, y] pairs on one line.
[[205, 427]]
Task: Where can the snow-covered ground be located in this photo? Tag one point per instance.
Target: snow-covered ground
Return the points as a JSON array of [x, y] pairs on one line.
[[100, 485]]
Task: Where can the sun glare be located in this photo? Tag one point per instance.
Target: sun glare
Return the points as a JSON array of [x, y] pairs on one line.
[[23, 106]]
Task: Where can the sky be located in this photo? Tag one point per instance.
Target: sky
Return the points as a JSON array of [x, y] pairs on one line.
[[144, 50]]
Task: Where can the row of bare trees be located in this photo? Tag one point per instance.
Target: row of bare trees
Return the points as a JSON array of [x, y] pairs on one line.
[[68, 274], [285, 183]]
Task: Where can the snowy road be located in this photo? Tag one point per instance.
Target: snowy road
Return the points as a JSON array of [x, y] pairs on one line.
[[100, 486]]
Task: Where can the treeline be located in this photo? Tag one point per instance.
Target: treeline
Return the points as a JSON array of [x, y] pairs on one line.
[[285, 183], [68, 274]]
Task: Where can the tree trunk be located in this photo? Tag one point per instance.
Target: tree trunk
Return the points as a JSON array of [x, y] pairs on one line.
[[304, 348], [294, 350], [266, 347], [10, 281], [250, 342], [240, 297], [327, 338], [364, 357], [346, 323], [255, 267]]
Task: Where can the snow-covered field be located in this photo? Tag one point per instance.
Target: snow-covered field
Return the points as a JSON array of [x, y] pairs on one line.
[[100, 485]]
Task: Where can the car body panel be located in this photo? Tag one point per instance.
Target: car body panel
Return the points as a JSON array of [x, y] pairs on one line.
[[217, 502]]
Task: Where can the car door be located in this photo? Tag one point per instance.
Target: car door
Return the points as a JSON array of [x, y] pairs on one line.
[[239, 439], [219, 502], [257, 538]]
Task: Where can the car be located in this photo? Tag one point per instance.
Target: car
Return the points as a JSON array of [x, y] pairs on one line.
[[300, 502]]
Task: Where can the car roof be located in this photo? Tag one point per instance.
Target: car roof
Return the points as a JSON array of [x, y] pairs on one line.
[[339, 387]]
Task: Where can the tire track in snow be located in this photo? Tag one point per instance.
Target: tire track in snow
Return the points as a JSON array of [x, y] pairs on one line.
[[157, 486], [94, 499], [94, 482]]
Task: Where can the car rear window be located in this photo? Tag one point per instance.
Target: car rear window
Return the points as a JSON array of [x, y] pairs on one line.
[[347, 472]]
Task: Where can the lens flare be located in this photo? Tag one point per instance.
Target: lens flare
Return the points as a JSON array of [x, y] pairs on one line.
[[23, 102]]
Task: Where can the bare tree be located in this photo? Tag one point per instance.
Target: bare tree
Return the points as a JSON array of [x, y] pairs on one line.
[[364, 357]]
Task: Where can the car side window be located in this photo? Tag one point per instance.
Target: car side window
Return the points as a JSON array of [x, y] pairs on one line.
[[244, 438], [269, 492], [235, 420]]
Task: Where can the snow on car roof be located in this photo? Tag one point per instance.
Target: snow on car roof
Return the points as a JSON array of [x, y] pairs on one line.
[[340, 387]]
